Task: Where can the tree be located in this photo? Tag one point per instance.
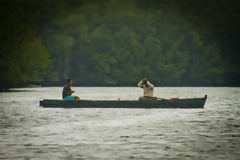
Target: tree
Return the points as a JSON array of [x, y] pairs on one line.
[[23, 57]]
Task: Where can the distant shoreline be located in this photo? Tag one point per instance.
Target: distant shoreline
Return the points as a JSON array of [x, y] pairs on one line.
[[25, 89]]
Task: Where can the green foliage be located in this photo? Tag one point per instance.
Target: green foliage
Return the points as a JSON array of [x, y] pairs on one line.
[[23, 57], [118, 42]]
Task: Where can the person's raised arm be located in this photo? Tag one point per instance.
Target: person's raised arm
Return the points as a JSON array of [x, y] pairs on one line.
[[140, 84], [151, 85]]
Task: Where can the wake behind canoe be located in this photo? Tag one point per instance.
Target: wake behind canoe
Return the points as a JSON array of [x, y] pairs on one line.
[[163, 103]]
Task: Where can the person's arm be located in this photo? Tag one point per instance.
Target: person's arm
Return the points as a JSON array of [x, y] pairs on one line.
[[70, 91], [140, 84], [151, 85]]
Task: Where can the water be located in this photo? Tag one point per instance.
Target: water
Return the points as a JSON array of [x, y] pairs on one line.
[[28, 131]]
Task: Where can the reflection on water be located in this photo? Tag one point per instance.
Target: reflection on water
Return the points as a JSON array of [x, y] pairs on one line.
[[28, 131]]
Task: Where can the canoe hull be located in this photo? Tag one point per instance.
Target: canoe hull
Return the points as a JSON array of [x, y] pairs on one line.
[[171, 103]]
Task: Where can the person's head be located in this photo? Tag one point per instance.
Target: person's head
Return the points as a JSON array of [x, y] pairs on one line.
[[69, 81], [145, 80]]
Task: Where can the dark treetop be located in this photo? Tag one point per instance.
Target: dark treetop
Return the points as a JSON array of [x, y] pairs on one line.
[[118, 42]]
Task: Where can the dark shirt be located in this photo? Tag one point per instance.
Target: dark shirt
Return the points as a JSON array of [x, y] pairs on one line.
[[66, 91]]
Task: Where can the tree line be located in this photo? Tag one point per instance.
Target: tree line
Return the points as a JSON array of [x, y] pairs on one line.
[[118, 42]]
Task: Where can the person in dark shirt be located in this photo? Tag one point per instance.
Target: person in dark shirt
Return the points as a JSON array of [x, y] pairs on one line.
[[67, 91]]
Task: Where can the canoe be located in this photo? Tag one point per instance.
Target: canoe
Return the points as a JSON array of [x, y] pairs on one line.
[[163, 103]]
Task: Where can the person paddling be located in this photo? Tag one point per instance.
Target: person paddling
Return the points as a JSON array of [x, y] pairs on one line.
[[147, 89], [67, 91]]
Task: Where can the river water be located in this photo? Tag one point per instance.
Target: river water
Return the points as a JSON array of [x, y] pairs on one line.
[[28, 131]]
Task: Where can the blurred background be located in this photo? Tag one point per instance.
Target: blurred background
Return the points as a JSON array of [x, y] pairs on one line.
[[118, 42]]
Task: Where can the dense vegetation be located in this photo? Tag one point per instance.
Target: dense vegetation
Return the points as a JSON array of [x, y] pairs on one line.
[[118, 42]]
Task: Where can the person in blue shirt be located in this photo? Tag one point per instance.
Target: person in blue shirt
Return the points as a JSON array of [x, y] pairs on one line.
[[67, 91]]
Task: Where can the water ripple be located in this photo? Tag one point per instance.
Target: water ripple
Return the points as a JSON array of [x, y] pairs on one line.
[[30, 132]]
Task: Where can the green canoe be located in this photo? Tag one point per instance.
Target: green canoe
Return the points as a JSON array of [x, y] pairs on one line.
[[164, 103]]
